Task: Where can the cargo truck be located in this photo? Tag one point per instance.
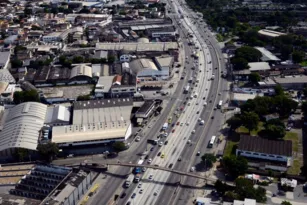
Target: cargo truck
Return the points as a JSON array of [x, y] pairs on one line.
[[129, 180]]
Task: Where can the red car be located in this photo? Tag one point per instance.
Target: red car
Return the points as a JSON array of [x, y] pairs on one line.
[[173, 130], [177, 123], [182, 108]]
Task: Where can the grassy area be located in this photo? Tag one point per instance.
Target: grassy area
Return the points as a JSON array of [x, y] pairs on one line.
[[304, 63], [295, 169], [243, 129], [230, 148], [219, 37], [294, 138]]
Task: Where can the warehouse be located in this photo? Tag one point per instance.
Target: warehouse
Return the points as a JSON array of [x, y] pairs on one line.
[[96, 121]]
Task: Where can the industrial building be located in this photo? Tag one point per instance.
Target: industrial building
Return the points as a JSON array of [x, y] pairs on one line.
[[264, 153], [96, 121], [20, 127]]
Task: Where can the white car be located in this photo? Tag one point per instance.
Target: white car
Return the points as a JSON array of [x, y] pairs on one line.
[[199, 119], [160, 144], [149, 160], [137, 139], [165, 134], [192, 169], [193, 131], [205, 103]]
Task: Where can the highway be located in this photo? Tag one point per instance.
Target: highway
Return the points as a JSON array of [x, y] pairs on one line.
[[178, 141], [117, 176]]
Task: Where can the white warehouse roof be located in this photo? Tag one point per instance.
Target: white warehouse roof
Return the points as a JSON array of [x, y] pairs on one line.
[[22, 126], [257, 66]]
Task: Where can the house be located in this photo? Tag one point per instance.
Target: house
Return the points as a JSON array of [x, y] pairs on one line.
[[265, 154], [267, 56], [260, 67]]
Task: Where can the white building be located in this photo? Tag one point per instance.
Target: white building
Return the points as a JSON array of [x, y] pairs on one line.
[[4, 59], [96, 121]]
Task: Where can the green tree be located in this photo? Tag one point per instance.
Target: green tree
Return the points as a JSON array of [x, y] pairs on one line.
[[275, 131], [208, 160], [244, 189], [48, 151], [298, 56], [250, 120], [21, 154], [119, 146], [16, 63], [235, 165], [83, 97], [78, 59], [285, 203], [239, 63], [249, 53], [279, 90], [254, 78], [276, 122], [283, 105], [111, 59], [221, 187], [26, 96], [234, 122]]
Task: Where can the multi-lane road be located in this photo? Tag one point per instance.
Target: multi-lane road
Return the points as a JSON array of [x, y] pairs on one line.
[[178, 140]]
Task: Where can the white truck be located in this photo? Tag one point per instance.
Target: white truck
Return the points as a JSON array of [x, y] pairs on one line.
[[129, 180], [165, 126]]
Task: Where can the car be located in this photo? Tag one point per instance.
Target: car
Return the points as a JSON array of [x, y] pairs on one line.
[[133, 195], [137, 139], [159, 154], [204, 98], [289, 128], [160, 144], [177, 123], [187, 123], [146, 157], [197, 112], [189, 141], [212, 117], [192, 169], [198, 153], [166, 142], [173, 130], [162, 155], [140, 185], [123, 195], [165, 134], [156, 193], [199, 119], [193, 131], [170, 166], [149, 161], [152, 148], [220, 93], [143, 169], [179, 159], [215, 108], [141, 191], [210, 101], [197, 103], [128, 203], [150, 177], [181, 124]]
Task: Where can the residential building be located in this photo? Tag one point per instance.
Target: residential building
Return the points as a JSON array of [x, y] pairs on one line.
[[261, 67], [265, 153], [291, 82], [96, 122], [267, 56], [270, 34], [238, 99]]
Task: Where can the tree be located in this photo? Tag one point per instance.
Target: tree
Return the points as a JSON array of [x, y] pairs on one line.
[[21, 153], [254, 78], [285, 203], [276, 122], [208, 160], [16, 63], [78, 59], [250, 120], [221, 187], [119, 146], [235, 165], [249, 53], [244, 189], [111, 59], [26, 96], [283, 105], [275, 131], [298, 56], [234, 122], [279, 90], [48, 151], [83, 97], [239, 63]]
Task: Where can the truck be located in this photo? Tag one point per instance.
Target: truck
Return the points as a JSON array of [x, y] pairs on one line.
[[129, 180], [137, 178], [165, 126], [153, 142]]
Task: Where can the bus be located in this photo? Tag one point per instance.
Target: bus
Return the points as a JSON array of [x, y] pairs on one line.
[[211, 143], [186, 89], [220, 104]]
